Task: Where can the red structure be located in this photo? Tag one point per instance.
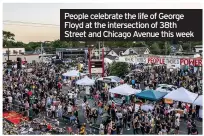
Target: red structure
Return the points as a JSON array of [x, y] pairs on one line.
[[102, 62], [95, 65]]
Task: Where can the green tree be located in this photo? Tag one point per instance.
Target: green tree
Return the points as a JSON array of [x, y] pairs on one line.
[[8, 37], [154, 48], [119, 69]]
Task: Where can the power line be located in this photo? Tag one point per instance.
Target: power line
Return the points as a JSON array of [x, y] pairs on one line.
[[28, 25], [10, 21], [21, 23]]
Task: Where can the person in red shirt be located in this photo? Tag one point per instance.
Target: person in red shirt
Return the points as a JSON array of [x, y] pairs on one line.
[[30, 93], [59, 85], [49, 127]]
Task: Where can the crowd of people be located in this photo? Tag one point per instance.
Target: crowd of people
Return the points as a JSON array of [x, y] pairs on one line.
[[43, 92]]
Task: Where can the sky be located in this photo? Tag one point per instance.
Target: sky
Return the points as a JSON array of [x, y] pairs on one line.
[[32, 13], [49, 13]]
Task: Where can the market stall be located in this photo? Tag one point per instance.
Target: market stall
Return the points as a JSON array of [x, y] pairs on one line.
[[122, 90], [86, 81], [151, 95], [112, 79], [108, 82], [182, 95]]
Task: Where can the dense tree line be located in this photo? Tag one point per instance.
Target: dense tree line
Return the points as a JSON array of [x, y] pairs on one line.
[[156, 47]]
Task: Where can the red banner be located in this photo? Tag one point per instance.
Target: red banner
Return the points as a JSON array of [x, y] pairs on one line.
[[191, 62], [155, 60], [196, 62]]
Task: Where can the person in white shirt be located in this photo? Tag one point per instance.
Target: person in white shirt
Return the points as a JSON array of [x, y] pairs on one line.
[[57, 122], [69, 108], [177, 124], [119, 115], [75, 97], [53, 111], [83, 106], [178, 115], [185, 113], [10, 99], [70, 95], [130, 108]]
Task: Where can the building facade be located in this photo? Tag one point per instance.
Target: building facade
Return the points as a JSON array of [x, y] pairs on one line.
[[13, 51]]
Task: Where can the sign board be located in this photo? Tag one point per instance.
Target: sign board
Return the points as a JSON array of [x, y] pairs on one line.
[[96, 70], [155, 60], [176, 61], [191, 62]]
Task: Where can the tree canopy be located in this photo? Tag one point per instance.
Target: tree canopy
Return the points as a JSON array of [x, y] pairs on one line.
[[119, 69]]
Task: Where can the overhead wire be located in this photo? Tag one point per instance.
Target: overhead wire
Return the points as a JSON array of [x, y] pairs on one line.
[[21, 23]]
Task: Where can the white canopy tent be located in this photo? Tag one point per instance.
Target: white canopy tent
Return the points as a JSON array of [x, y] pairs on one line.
[[114, 79], [15, 66], [181, 94], [199, 101], [85, 81], [73, 73], [124, 89]]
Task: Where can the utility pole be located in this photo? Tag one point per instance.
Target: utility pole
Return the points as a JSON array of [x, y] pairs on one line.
[[8, 52]]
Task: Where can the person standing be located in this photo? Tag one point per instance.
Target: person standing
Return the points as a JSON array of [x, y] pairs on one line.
[[189, 126], [60, 111], [129, 118], [53, 111], [177, 124]]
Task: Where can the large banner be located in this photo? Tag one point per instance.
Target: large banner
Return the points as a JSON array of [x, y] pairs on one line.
[[128, 59], [164, 60], [196, 62], [169, 61]]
